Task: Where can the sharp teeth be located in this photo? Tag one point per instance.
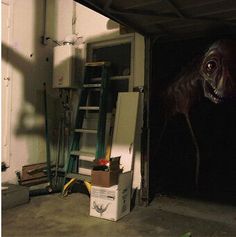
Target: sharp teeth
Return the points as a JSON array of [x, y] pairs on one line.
[[217, 93]]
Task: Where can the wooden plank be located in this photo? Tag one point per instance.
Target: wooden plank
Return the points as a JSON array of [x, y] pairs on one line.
[[125, 128], [29, 174]]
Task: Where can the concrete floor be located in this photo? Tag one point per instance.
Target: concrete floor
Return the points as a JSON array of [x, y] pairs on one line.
[[50, 215]]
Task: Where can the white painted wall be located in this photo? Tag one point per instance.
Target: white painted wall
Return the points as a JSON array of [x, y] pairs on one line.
[[31, 64], [29, 69], [93, 26], [5, 82], [59, 17]]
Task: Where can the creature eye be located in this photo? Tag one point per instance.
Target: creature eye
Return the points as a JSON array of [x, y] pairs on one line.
[[211, 66]]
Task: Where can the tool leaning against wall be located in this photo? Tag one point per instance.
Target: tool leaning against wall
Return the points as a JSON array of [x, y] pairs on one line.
[[44, 172], [50, 172]]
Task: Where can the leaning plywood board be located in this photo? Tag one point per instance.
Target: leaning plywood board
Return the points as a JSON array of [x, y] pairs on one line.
[[124, 129], [137, 147]]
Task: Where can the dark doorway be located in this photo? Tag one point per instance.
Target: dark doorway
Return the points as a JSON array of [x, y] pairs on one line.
[[173, 157]]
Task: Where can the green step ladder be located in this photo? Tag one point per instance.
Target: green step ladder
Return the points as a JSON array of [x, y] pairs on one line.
[[93, 102]]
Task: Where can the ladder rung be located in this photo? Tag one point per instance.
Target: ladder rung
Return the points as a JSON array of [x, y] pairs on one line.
[[87, 156], [82, 153], [79, 177], [92, 85], [86, 130], [97, 64], [85, 171], [96, 79], [89, 107]]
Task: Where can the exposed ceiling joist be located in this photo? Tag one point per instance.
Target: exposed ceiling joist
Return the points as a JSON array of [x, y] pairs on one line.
[[165, 18]]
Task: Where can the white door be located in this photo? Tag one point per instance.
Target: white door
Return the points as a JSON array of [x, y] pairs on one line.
[[125, 128], [6, 82]]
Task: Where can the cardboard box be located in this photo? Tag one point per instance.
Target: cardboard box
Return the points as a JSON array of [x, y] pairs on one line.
[[106, 175], [105, 178], [114, 202]]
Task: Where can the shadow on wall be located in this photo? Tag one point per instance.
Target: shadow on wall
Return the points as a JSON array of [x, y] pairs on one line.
[[31, 117], [32, 113], [34, 69], [30, 70]]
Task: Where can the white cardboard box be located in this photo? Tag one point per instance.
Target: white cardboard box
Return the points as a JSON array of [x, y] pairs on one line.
[[114, 202]]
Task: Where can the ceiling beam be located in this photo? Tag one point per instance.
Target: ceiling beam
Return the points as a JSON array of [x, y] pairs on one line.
[[132, 17], [206, 4], [141, 4], [175, 9]]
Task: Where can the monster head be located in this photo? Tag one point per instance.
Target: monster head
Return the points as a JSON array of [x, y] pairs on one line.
[[218, 70]]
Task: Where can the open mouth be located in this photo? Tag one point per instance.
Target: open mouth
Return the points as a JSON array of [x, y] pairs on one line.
[[212, 93]]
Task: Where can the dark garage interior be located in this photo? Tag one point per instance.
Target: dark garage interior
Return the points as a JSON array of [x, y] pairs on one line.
[[173, 157], [183, 165], [178, 32]]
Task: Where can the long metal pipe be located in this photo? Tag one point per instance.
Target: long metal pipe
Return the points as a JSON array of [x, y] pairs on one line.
[[48, 155]]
